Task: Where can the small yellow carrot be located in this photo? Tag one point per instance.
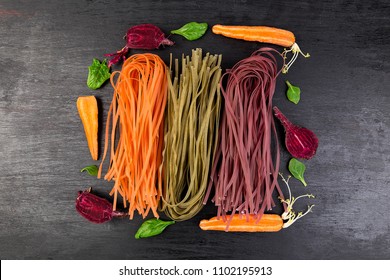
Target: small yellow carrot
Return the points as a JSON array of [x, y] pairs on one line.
[[264, 34], [240, 223], [88, 111]]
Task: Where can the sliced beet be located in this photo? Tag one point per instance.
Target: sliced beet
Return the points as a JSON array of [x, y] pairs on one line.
[[143, 36], [300, 142], [94, 208]]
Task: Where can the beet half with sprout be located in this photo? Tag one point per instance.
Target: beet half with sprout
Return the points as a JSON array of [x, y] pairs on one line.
[[94, 208], [300, 142], [143, 36]]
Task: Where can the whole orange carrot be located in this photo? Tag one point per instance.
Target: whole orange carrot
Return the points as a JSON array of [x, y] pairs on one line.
[[264, 34], [88, 111], [242, 223]]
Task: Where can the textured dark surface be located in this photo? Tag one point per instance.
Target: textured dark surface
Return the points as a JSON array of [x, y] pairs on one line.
[[45, 49]]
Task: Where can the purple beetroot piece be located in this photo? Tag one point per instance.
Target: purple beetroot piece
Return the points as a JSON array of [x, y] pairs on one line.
[[300, 142], [143, 36], [95, 209]]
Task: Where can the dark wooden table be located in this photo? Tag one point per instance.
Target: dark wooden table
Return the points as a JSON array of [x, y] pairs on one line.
[[45, 49]]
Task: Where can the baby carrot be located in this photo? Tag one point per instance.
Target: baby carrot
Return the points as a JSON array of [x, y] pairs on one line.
[[88, 111], [264, 34], [240, 223]]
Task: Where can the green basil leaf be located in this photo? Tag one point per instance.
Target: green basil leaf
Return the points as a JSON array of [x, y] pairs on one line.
[[152, 227], [293, 93], [192, 30], [297, 169], [98, 73], [91, 170]]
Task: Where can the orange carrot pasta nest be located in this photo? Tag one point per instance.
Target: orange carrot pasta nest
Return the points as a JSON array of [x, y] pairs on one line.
[[137, 133]]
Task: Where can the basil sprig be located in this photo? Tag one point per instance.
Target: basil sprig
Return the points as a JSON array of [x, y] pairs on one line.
[[152, 227], [297, 169], [91, 170], [192, 30], [98, 73], [293, 93]]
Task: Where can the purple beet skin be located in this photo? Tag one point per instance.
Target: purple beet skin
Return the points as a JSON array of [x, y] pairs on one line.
[[300, 142], [143, 36], [95, 209]]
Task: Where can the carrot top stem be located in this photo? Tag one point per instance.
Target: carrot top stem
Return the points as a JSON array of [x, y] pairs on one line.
[[295, 51], [290, 216]]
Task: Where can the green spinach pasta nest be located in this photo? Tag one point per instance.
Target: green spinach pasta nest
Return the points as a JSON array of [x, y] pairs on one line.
[[191, 133]]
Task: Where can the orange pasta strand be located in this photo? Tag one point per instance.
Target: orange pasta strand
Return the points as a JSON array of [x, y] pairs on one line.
[[135, 131]]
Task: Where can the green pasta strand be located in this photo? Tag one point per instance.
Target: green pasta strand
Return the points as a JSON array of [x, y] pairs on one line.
[[191, 133]]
